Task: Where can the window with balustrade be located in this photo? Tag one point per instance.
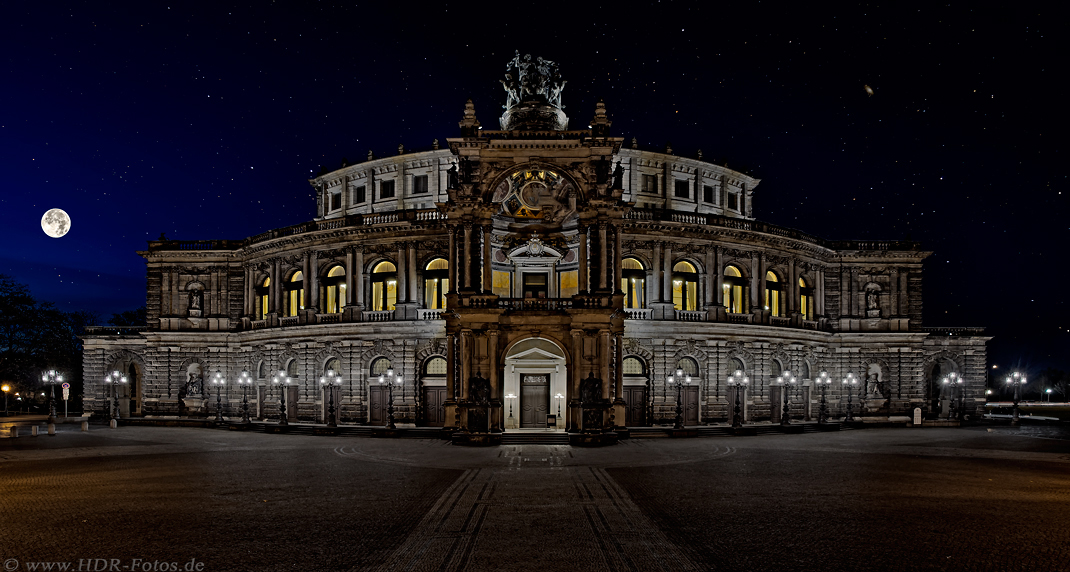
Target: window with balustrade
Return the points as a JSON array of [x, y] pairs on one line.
[[436, 284], [295, 294], [262, 298], [735, 290], [633, 283], [772, 293], [806, 299], [685, 286], [334, 288], [384, 280]]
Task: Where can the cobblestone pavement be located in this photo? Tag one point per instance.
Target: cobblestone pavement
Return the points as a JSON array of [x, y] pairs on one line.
[[879, 499]]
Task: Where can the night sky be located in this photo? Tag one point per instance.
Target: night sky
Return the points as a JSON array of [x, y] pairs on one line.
[[205, 121]]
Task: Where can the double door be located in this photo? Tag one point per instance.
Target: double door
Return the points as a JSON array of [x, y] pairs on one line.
[[534, 400]]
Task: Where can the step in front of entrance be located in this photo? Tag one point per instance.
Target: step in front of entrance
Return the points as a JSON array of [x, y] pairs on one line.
[[548, 438]]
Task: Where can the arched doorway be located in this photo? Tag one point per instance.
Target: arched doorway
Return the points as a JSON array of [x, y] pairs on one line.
[[536, 376]]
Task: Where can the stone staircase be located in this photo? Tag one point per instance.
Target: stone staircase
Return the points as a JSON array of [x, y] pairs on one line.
[[534, 438]]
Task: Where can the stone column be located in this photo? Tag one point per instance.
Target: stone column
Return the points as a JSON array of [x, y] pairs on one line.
[[655, 278], [313, 281], [452, 258], [584, 262], [305, 273], [249, 291], [487, 282], [603, 343], [575, 412], [711, 273], [358, 275], [403, 291], [755, 272], [603, 255], [412, 272], [349, 277], [276, 286], [894, 294], [793, 287], [666, 277], [451, 368], [718, 285], [618, 257], [467, 240], [819, 293], [495, 381]]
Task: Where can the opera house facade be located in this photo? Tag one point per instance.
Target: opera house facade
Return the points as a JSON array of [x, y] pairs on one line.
[[535, 276]]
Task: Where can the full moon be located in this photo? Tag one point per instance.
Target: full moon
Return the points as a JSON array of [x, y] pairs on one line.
[[56, 223]]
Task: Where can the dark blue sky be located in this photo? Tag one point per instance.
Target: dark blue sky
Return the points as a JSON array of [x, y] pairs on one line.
[[205, 120]]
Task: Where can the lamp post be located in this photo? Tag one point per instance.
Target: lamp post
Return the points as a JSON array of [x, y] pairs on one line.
[[509, 398], [51, 378], [281, 380], [951, 381], [1047, 395], [787, 383], [824, 381], [680, 379], [389, 380], [849, 383], [328, 384], [218, 381], [739, 382], [1016, 380], [245, 380], [6, 389], [114, 379], [559, 397]]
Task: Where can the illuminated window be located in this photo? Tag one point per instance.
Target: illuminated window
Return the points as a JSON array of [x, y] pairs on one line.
[[634, 366], [735, 290], [633, 283], [806, 299], [384, 286], [296, 290], [334, 287], [684, 287], [435, 366], [535, 285], [333, 365], [689, 366], [772, 293], [379, 366], [436, 284], [262, 298], [291, 369]]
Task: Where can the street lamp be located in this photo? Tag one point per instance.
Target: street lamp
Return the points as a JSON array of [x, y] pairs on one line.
[[849, 383], [114, 379], [952, 381], [245, 380], [6, 389], [1016, 380], [680, 379], [1047, 394], [280, 380], [219, 381], [824, 381], [509, 398], [559, 397], [328, 384], [739, 382], [51, 378], [787, 383], [389, 380]]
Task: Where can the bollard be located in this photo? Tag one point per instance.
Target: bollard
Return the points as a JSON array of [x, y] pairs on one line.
[[85, 426], [13, 431], [52, 429], [113, 424], [34, 430]]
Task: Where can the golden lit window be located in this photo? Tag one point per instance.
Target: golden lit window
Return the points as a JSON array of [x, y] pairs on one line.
[[684, 286], [384, 281], [435, 366], [806, 299], [296, 289], [772, 293], [335, 288], [436, 284], [633, 283], [735, 290]]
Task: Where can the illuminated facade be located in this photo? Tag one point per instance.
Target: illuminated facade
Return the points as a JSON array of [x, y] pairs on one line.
[[534, 275]]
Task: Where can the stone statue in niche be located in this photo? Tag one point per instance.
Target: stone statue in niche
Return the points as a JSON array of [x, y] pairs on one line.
[[618, 177], [875, 388], [591, 390], [479, 390], [873, 306], [196, 303], [194, 386]]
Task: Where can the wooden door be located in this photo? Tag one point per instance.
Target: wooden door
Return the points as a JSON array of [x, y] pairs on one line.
[[534, 400], [635, 408], [291, 403], [689, 400], [434, 413], [377, 401]]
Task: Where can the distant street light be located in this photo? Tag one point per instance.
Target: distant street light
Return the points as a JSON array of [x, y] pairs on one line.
[[219, 381], [51, 378], [6, 389], [680, 380], [282, 380], [739, 382], [1047, 395], [328, 384], [787, 383], [952, 381], [114, 379], [849, 383], [824, 381], [1016, 380], [389, 380], [245, 380]]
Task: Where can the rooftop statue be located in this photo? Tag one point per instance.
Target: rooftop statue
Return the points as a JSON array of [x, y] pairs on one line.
[[533, 94]]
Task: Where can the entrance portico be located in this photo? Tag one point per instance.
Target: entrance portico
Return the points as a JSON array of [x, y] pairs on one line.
[[535, 372]]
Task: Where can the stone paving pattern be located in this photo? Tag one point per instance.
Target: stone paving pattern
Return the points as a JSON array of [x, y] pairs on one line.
[[879, 499]]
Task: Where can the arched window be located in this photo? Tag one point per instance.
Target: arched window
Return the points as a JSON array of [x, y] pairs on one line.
[[291, 369], [436, 284], [735, 290], [806, 299], [633, 283], [380, 365], [262, 370], [804, 371], [435, 366], [296, 290], [335, 288], [772, 293], [685, 286], [736, 364], [333, 364], [384, 286], [633, 366], [262, 298], [688, 365]]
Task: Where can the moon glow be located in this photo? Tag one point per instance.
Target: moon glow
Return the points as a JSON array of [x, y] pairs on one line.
[[56, 223]]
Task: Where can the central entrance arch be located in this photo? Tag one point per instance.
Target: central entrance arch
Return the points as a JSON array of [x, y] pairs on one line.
[[535, 372]]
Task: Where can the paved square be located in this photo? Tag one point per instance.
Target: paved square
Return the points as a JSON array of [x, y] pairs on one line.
[[880, 499]]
